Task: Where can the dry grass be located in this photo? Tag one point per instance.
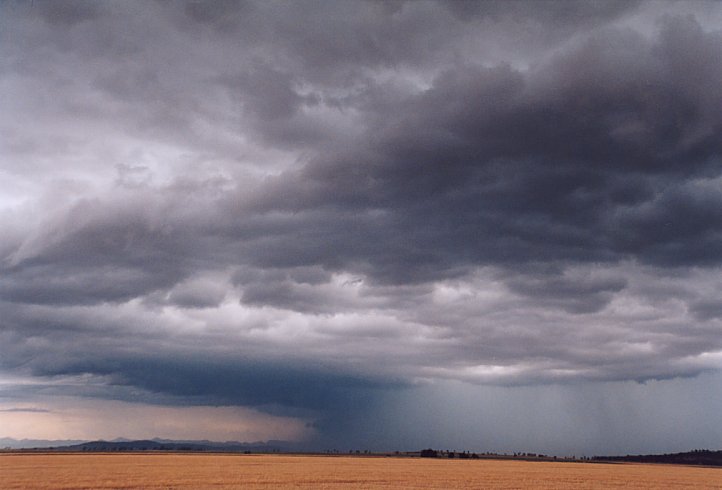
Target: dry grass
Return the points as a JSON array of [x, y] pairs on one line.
[[193, 471]]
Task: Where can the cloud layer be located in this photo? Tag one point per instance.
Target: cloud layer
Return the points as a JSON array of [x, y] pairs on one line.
[[304, 207]]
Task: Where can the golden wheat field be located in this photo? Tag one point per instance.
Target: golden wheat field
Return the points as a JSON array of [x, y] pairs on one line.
[[214, 471]]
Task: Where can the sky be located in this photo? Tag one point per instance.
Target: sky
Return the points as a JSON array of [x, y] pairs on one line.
[[386, 225]]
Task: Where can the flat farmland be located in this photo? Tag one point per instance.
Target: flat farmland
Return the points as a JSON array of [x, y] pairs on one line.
[[225, 471]]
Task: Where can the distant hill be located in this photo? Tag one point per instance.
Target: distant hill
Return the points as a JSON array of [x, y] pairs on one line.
[[170, 445], [156, 444], [697, 457]]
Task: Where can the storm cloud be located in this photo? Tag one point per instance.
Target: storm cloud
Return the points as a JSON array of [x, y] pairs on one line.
[[318, 209]]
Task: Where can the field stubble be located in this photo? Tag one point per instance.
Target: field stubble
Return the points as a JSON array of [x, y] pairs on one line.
[[226, 471]]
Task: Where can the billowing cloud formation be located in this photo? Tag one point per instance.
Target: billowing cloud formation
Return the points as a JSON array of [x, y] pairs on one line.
[[304, 207]]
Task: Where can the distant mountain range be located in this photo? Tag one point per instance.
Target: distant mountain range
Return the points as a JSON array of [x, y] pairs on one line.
[[9, 442], [157, 444], [701, 457]]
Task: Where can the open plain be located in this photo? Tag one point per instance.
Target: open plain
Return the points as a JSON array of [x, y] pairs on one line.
[[226, 471]]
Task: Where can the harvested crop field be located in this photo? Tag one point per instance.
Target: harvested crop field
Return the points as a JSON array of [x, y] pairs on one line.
[[225, 471]]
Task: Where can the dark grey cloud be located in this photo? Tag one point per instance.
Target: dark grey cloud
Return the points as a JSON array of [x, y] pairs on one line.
[[306, 207], [275, 387], [67, 13], [25, 409], [707, 309], [574, 294], [543, 166], [570, 16]]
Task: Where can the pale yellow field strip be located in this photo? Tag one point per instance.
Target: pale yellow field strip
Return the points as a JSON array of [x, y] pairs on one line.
[[212, 471]]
